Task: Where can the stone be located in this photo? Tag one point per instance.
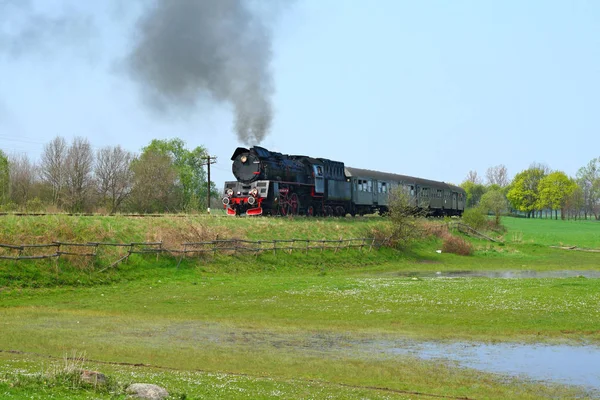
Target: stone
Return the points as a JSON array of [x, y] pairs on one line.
[[146, 391], [93, 377]]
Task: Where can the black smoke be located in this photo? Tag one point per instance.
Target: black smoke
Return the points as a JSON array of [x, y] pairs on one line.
[[186, 50], [24, 30]]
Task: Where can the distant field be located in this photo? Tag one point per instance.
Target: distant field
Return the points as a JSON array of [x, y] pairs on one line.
[[289, 325], [554, 232]]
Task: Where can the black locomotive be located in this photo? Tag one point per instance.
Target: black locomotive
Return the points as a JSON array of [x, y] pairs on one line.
[[272, 183]]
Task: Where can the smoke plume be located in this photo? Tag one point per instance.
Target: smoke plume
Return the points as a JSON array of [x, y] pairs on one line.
[[24, 30], [187, 49]]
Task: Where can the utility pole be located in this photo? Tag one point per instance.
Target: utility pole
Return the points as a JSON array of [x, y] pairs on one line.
[[209, 160]]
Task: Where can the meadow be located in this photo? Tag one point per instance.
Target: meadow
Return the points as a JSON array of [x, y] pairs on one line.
[[300, 325]]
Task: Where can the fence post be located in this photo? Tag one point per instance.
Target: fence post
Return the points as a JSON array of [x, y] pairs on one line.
[[129, 252], [182, 254], [338, 245]]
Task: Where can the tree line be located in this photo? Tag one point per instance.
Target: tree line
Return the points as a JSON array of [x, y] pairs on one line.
[[164, 177], [537, 191]]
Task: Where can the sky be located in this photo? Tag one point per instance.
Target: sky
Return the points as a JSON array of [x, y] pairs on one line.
[[432, 89]]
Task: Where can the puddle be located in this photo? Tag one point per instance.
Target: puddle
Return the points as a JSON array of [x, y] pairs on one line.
[[571, 365], [515, 274]]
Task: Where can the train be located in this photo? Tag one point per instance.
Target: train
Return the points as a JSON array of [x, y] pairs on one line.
[[272, 183]]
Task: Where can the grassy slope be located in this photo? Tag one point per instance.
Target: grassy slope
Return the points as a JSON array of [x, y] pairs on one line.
[[277, 316]]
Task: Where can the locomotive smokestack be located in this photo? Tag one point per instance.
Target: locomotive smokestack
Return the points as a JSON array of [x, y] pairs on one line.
[[188, 50]]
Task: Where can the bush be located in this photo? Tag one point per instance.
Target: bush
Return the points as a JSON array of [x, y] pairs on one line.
[[475, 217], [34, 205], [456, 245], [405, 218]]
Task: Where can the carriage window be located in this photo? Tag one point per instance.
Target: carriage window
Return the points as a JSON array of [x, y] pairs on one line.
[[412, 190], [369, 186], [439, 193]]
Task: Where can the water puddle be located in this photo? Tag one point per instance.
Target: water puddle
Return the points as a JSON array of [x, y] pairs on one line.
[[514, 274], [571, 365]]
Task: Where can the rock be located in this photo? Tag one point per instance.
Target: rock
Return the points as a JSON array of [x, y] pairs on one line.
[[93, 377], [146, 391]]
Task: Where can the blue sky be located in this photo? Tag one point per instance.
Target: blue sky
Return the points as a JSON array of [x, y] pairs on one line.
[[425, 88]]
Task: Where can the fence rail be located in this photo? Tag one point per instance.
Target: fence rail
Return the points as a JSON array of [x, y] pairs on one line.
[[55, 250]]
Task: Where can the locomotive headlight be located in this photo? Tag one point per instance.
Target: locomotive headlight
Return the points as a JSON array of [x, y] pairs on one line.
[[251, 200], [254, 192], [229, 192], [244, 159]]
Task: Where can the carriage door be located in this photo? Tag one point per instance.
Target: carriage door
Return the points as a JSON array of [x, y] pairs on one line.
[[319, 181], [454, 200], [376, 189]]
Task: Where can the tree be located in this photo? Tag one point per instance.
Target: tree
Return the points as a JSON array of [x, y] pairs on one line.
[[474, 192], [190, 170], [555, 189], [22, 179], [78, 174], [523, 193], [4, 178], [588, 179], [497, 175], [575, 203], [154, 183], [114, 176], [404, 216], [473, 177], [53, 167], [495, 201]]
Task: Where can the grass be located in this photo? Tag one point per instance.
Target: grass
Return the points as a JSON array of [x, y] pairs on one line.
[[289, 325], [548, 232]]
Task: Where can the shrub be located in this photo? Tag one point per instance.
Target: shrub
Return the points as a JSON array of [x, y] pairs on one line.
[[34, 205], [405, 218], [456, 245], [475, 218]]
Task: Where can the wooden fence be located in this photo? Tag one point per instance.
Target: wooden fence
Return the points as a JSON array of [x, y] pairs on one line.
[[55, 250]]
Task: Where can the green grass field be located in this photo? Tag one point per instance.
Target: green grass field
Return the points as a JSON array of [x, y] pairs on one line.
[[288, 325]]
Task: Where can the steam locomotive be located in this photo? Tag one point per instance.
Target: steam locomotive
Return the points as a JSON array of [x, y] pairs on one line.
[[271, 183]]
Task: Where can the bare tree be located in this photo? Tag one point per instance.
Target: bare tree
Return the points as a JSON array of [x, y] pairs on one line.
[[4, 178], [497, 175], [114, 176], [22, 179], [588, 178], [78, 167], [473, 177], [52, 167], [155, 183]]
